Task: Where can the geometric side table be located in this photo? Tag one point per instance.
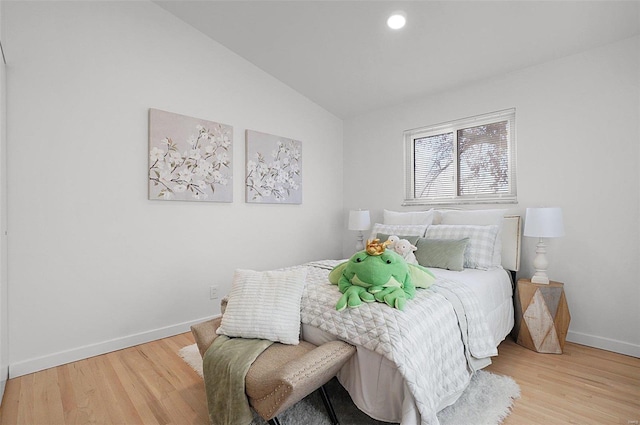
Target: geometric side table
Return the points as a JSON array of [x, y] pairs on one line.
[[542, 316]]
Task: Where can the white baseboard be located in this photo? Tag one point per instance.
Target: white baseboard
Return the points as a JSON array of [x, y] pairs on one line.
[[56, 359], [608, 344]]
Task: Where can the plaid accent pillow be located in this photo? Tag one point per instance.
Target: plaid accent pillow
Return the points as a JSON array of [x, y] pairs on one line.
[[482, 239], [398, 229], [478, 218]]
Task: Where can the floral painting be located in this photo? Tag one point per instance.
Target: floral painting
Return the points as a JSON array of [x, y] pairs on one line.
[[274, 169], [189, 159]]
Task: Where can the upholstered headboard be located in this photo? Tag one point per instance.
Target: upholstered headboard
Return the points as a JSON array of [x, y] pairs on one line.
[[511, 239]]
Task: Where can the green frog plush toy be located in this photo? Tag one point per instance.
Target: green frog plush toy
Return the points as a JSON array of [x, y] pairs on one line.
[[377, 274]]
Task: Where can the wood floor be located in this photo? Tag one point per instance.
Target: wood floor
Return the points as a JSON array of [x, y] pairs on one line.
[[581, 386], [150, 384]]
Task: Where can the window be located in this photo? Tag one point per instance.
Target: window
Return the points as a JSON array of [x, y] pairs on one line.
[[471, 160]]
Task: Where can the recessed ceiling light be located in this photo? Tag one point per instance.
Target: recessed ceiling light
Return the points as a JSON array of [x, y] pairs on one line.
[[397, 20]]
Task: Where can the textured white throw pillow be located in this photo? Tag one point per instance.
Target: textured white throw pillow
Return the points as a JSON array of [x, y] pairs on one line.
[[475, 217], [409, 217], [265, 305]]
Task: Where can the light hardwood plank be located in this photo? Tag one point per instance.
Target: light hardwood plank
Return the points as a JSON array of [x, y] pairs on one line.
[[112, 391], [27, 407], [89, 407], [11, 402], [149, 409], [67, 396], [47, 394], [150, 384]]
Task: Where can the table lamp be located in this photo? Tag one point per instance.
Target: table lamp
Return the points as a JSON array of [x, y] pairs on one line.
[[543, 223], [359, 220]]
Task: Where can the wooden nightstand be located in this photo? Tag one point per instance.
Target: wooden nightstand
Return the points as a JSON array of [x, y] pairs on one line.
[[542, 316]]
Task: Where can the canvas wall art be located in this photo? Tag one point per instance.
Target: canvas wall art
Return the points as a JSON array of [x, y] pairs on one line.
[[190, 159], [274, 169]]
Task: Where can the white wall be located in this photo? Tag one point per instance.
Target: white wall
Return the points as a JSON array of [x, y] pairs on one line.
[[93, 264], [578, 148], [4, 308]]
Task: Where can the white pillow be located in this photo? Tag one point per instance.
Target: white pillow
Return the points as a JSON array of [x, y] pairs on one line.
[[411, 217], [478, 218], [265, 305], [398, 229], [482, 240]]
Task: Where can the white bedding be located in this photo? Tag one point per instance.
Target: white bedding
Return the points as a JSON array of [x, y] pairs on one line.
[[374, 381], [494, 291]]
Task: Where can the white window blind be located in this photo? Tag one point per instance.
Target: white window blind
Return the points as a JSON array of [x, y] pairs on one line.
[[465, 161]]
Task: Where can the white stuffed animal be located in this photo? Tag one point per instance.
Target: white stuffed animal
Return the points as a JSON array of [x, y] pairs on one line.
[[405, 249], [392, 241]]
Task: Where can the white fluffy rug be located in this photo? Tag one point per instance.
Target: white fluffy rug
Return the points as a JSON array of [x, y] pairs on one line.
[[486, 401]]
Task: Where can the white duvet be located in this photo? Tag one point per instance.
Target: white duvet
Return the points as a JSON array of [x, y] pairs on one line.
[[434, 343]]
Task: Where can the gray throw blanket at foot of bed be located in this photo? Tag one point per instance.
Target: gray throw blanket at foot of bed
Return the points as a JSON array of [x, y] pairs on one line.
[[225, 366]]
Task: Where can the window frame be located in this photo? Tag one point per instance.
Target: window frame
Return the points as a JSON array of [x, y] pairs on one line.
[[410, 136]]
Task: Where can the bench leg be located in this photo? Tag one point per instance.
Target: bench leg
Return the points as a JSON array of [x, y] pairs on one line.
[[273, 421], [328, 406]]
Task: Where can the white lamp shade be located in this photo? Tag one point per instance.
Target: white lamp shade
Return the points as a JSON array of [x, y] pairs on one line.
[[359, 220], [544, 223]]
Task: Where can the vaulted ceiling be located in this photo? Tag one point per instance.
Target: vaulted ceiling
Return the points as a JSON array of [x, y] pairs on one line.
[[341, 54]]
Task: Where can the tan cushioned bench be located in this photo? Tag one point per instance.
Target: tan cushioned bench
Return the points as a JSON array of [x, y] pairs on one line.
[[284, 374]]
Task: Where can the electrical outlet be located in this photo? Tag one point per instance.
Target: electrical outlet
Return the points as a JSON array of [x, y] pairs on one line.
[[213, 292]]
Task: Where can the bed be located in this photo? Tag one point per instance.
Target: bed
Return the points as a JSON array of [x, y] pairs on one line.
[[411, 364]]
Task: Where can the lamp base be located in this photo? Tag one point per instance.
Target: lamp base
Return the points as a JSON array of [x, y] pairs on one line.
[[543, 280], [360, 242], [540, 263]]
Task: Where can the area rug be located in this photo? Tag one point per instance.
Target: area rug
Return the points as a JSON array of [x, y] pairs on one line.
[[486, 401]]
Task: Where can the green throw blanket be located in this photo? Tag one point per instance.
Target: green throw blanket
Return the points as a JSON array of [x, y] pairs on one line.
[[225, 366]]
